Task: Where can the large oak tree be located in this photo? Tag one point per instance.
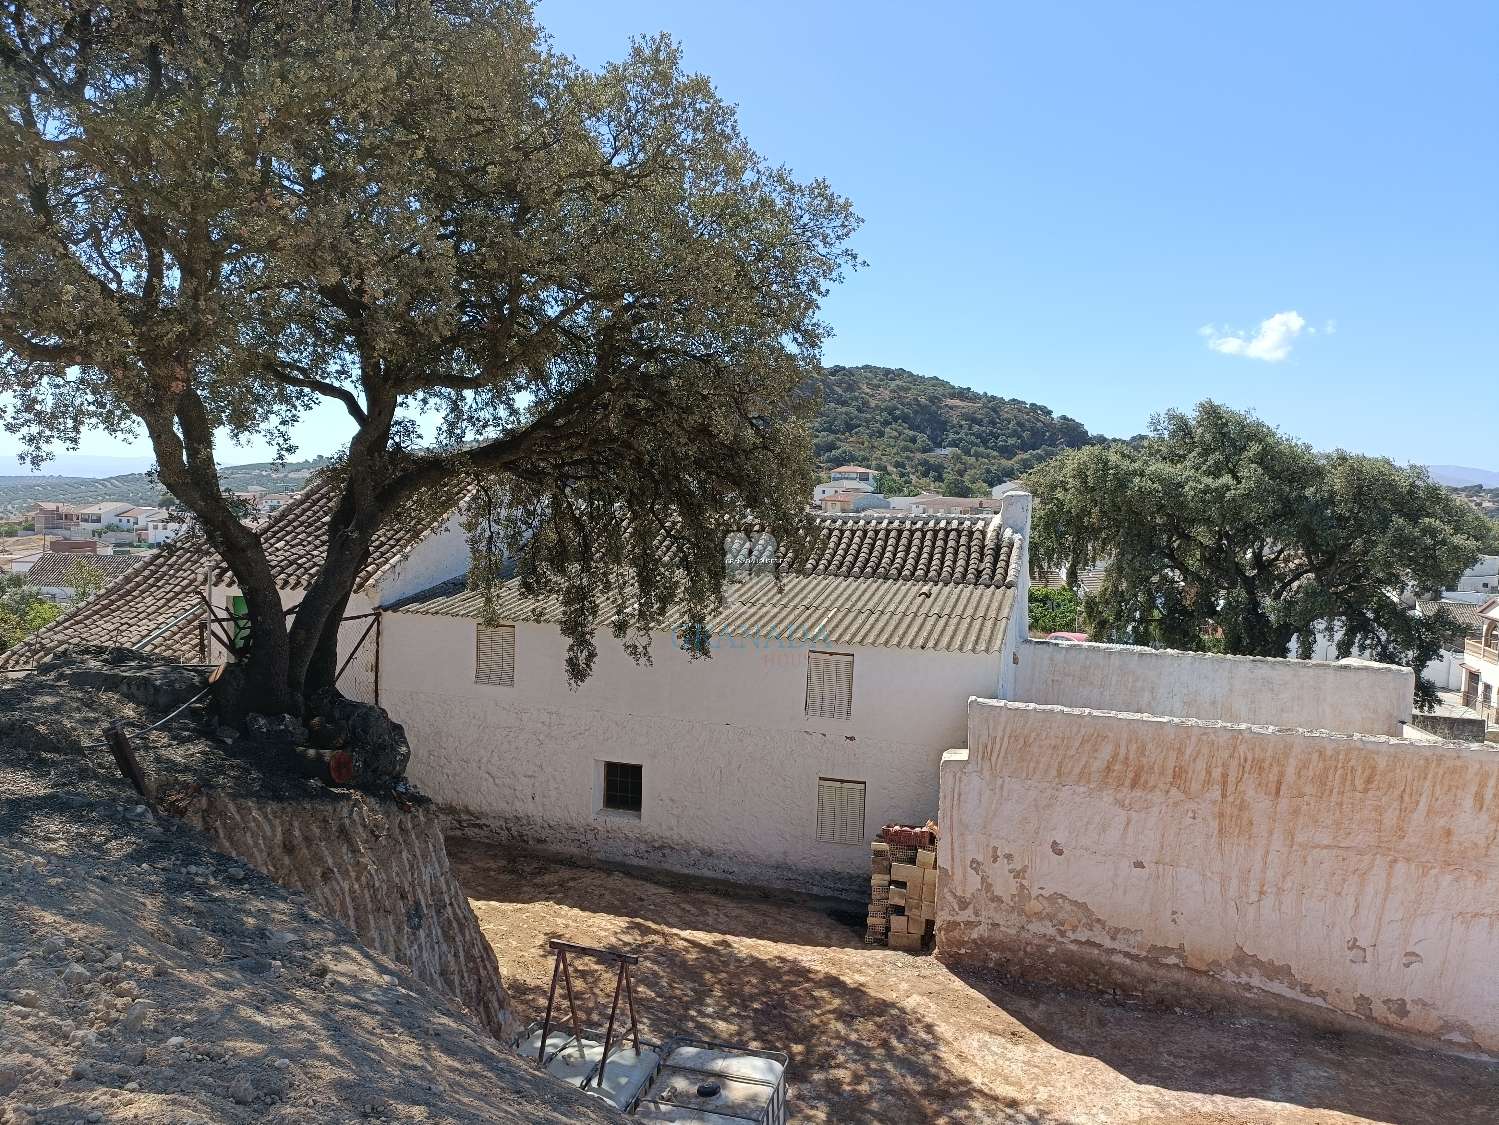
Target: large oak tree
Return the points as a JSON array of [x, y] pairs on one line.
[[1219, 531], [216, 214]]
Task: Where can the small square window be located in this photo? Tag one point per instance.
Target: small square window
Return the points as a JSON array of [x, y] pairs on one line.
[[623, 787]]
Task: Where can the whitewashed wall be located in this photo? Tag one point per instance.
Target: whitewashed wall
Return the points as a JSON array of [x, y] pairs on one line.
[[1352, 696], [1354, 874], [730, 760]]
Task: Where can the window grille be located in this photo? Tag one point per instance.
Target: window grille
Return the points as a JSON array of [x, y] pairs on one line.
[[624, 786]]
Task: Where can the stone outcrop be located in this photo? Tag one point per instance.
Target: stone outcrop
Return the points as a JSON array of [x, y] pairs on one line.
[[379, 866]]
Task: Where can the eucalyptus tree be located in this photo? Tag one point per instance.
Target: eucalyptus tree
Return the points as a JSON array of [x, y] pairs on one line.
[[1219, 531], [215, 215]]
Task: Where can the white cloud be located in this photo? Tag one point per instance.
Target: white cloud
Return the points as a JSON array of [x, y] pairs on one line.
[[1271, 342]]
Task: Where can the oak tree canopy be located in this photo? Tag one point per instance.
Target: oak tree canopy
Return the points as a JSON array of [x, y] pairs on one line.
[[1220, 532], [214, 215]]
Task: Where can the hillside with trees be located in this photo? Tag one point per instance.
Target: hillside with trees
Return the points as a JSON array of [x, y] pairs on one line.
[[923, 432]]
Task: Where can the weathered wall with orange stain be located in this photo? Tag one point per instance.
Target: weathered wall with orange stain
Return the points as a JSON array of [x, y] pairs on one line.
[[1356, 875]]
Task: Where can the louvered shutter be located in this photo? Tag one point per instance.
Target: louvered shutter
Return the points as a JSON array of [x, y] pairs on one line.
[[840, 811], [830, 685], [494, 656]]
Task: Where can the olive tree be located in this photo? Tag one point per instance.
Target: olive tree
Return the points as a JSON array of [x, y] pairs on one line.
[[215, 215]]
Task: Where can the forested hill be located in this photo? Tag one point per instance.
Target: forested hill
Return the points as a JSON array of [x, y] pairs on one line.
[[901, 424]]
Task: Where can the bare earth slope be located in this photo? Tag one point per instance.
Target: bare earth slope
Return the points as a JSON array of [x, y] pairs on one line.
[[147, 978]]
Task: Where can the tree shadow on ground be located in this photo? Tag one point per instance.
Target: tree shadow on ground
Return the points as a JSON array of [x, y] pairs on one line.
[[854, 1055], [1253, 1056]]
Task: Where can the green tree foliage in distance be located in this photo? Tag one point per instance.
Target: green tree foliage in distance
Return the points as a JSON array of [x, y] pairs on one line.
[[23, 610], [215, 216], [86, 579], [1217, 525], [1054, 610], [895, 422]]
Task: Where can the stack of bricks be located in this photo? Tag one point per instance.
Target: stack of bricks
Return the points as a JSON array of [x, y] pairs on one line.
[[902, 888]]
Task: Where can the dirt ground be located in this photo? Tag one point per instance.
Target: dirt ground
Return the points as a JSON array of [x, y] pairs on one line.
[[880, 1036], [147, 979]]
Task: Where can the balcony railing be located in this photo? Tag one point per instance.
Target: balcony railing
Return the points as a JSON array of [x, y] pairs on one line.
[[1480, 651]]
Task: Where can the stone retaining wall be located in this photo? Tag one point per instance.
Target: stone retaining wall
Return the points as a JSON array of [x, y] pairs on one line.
[[377, 866]]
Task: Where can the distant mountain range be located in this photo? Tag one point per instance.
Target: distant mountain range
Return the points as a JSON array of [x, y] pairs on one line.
[[1460, 476], [18, 494]]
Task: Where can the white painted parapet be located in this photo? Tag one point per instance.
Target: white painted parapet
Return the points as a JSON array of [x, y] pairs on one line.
[[1356, 696]]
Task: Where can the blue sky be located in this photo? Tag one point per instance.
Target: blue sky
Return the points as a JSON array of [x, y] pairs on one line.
[[1114, 209]]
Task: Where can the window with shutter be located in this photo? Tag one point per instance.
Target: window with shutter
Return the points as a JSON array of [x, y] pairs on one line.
[[494, 656], [840, 811], [830, 685]]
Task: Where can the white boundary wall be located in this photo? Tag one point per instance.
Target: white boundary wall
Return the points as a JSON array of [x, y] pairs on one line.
[[1352, 695], [1358, 875]]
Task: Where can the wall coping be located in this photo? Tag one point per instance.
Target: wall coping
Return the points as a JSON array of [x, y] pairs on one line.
[[1352, 663], [1373, 741]]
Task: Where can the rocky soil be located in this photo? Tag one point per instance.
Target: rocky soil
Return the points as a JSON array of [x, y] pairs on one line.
[[145, 977]]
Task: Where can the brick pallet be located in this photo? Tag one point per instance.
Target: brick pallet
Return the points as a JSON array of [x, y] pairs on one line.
[[902, 888]]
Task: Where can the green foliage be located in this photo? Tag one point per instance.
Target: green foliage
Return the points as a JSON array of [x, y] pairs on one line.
[[86, 578], [214, 216], [23, 610], [9, 530], [1217, 522], [895, 422], [1054, 610]]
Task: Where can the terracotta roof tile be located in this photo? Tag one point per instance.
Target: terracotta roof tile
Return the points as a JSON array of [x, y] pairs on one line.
[[53, 569], [156, 600]]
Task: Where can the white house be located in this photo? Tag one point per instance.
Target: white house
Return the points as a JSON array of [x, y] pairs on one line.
[[821, 715], [1481, 665], [163, 528], [96, 517], [833, 488], [1482, 577], [853, 474]]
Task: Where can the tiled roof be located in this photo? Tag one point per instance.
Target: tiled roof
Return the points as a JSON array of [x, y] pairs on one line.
[[1466, 614], [157, 595], [53, 569], [925, 582], [295, 539], [163, 592]]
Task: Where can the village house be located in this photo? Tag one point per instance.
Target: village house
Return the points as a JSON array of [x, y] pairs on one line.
[[1481, 664], [55, 575], [49, 518], [101, 516], [821, 714]]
